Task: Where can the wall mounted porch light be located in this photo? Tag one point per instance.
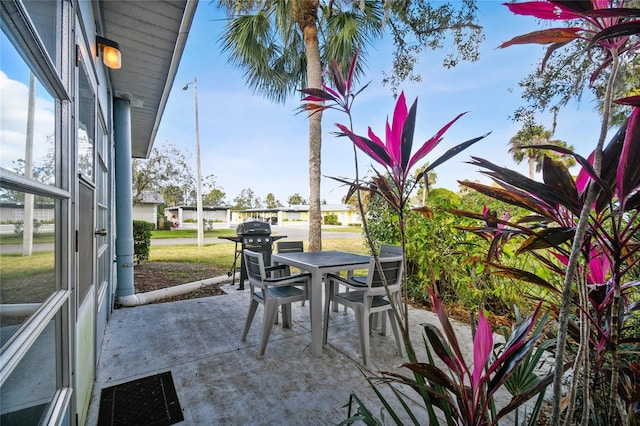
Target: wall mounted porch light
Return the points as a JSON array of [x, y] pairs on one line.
[[110, 52]]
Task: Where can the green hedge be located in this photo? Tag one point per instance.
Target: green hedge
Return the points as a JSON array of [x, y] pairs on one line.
[[141, 240], [331, 219]]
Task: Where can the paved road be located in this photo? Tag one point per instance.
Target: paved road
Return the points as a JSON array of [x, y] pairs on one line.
[[17, 248]]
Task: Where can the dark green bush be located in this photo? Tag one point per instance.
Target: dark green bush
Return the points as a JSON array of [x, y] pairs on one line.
[[441, 255], [331, 219], [141, 240]]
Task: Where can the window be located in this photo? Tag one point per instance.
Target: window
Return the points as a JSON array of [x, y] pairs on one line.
[[31, 385], [34, 207], [86, 125], [44, 15], [28, 119], [27, 280], [102, 217]]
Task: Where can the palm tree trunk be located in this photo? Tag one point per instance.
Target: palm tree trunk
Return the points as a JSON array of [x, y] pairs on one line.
[[306, 14], [532, 167]]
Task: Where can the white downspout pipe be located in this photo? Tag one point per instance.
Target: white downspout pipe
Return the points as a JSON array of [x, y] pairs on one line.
[[125, 291], [153, 296]]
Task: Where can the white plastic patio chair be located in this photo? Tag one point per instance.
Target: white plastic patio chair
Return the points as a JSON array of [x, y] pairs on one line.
[[367, 300], [271, 292], [386, 250], [289, 247]]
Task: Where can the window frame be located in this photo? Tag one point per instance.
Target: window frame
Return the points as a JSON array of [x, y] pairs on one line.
[[57, 78]]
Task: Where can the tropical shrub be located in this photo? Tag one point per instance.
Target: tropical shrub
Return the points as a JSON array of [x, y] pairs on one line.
[[587, 224], [18, 227], [394, 184], [141, 240], [465, 393], [607, 276], [439, 252], [584, 230]]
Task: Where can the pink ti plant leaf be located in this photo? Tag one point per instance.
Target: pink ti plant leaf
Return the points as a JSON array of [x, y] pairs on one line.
[[341, 98], [605, 26], [449, 333], [628, 176], [620, 173], [520, 343], [598, 268], [482, 347], [630, 100], [542, 10], [394, 153], [366, 145]]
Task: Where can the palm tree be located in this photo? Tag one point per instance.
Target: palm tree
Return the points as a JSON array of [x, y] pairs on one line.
[[523, 145], [282, 46], [277, 43]]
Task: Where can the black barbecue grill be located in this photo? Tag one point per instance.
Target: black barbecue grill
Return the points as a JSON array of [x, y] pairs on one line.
[[255, 236]]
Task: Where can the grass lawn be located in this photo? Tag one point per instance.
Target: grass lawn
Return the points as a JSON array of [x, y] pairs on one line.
[[342, 228], [19, 271], [13, 265], [191, 233], [27, 279], [222, 254]]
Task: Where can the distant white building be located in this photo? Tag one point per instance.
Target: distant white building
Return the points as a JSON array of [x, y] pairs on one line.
[[147, 208], [186, 217], [346, 215]]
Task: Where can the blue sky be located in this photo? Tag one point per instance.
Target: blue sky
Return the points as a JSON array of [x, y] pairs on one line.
[[249, 142]]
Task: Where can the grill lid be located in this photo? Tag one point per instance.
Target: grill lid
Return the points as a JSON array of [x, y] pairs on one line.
[[254, 227]]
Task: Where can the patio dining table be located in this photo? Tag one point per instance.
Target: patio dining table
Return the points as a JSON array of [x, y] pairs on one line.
[[319, 263]]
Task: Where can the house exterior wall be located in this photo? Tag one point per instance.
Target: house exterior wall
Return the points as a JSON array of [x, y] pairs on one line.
[[186, 216], [295, 216], [297, 213], [60, 163], [145, 212], [63, 115]]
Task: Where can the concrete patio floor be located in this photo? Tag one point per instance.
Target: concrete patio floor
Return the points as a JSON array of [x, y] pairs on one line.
[[220, 381]]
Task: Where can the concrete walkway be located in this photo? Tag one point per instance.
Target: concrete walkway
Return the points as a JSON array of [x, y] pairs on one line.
[[218, 379]]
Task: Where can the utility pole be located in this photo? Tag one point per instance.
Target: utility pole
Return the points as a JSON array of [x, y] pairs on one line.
[[198, 169]]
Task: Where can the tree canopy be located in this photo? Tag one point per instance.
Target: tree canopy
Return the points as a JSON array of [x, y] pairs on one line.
[[166, 166], [271, 202], [247, 199], [296, 199], [523, 146]]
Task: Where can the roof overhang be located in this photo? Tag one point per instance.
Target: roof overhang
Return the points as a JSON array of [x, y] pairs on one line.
[[152, 36]]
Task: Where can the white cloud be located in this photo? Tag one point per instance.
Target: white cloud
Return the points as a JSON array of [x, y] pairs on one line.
[[14, 97]]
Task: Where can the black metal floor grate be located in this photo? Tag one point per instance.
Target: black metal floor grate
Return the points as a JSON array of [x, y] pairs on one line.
[[149, 401]]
